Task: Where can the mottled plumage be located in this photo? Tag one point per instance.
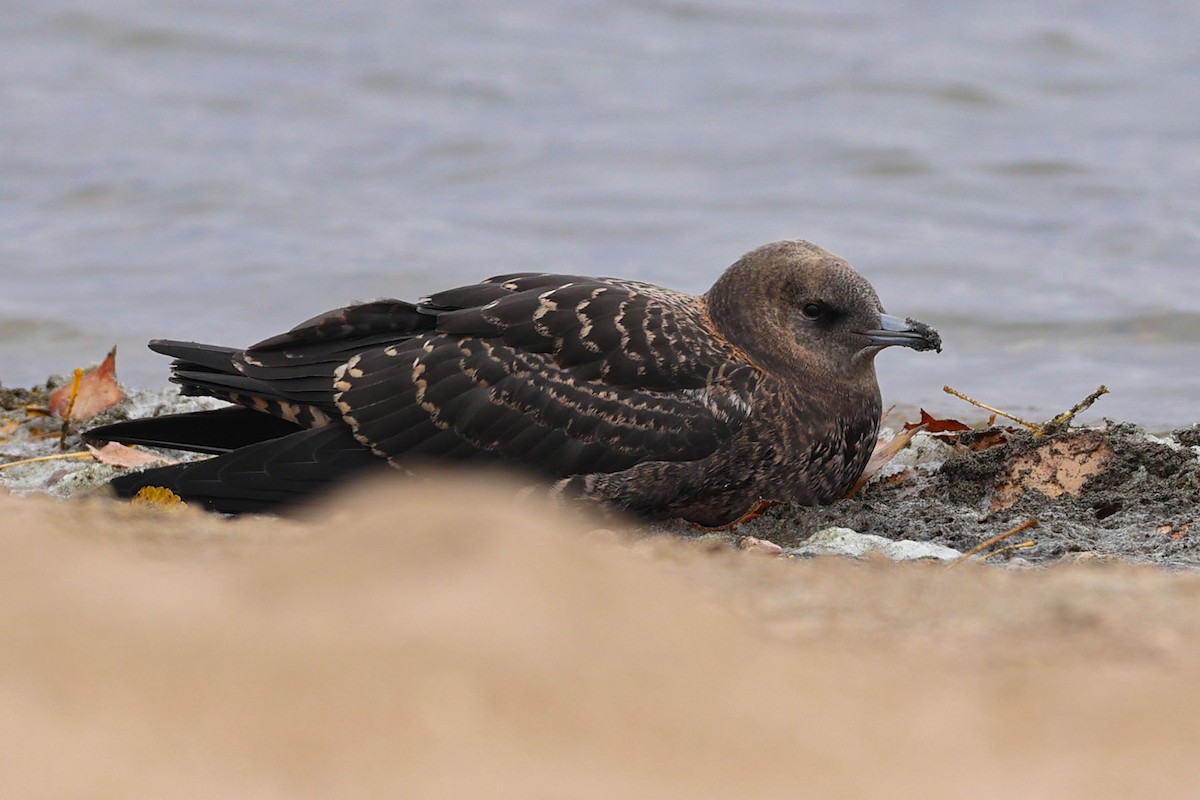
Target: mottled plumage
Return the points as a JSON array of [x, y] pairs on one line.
[[655, 402]]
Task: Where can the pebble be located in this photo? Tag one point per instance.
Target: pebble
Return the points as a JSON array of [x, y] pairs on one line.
[[852, 544]]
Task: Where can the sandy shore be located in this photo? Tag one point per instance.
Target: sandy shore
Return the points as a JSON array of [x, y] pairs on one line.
[[442, 639], [400, 642]]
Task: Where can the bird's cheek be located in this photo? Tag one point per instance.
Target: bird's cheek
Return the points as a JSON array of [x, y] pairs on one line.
[[862, 359]]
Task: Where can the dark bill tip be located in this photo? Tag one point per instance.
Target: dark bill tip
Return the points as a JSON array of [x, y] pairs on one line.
[[906, 333]]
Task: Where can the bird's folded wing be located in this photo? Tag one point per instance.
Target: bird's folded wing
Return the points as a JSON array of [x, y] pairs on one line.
[[299, 364], [580, 377], [465, 398]]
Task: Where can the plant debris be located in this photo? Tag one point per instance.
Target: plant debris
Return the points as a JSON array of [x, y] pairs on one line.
[[1033, 426], [1060, 421], [119, 455], [90, 393], [886, 448], [158, 497], [984, 545], [932, 425]]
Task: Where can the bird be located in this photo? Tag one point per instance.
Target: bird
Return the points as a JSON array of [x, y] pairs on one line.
[[620, 393]]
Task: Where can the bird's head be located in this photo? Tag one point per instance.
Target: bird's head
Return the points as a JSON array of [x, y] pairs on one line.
[[792, 305]]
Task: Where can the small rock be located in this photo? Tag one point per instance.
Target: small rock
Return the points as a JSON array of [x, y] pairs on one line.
[[850, 543], [755, 545]]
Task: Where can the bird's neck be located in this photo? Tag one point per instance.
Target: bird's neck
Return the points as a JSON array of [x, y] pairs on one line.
[[739, 313]]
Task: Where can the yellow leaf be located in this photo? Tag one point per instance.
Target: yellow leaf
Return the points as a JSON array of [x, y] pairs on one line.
[[158, 497]]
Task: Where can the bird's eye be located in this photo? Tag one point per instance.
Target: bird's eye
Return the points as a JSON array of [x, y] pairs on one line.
[[812, 310]]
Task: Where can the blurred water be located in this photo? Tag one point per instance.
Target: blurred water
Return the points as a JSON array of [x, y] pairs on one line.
[[1025, 176]]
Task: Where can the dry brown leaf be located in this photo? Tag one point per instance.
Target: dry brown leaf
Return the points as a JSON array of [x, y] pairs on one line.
[[989, 439], [883, 453], [1175, 532], [978, 441], [1056, 468], [119, 455], [906, 474], [98, 391], [933, 425]]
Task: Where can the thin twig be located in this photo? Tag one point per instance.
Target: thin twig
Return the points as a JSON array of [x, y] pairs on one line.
[[1024, 526], [51, 457], [66, 426], [1033, 426], [1082, 405], [1011, 547]]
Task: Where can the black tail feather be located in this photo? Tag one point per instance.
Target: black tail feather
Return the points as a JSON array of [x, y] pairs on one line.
[[267, 476], [218, 431], [209, 356]]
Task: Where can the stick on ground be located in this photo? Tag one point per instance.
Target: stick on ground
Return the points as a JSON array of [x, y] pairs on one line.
[[1024, 526]]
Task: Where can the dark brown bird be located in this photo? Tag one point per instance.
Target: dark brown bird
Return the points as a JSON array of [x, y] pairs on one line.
[[651, 401]]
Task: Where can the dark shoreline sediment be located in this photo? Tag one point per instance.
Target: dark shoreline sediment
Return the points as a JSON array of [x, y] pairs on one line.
[[1139, 505], [1136, 499]]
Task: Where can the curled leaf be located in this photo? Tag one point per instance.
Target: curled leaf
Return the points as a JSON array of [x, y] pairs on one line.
[[885, 452], [933, 425], [97, 391]]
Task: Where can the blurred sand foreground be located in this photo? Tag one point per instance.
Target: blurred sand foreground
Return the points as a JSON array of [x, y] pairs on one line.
[[400, 642]]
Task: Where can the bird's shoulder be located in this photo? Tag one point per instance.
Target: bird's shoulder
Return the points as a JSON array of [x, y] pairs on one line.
[[621, 332]]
